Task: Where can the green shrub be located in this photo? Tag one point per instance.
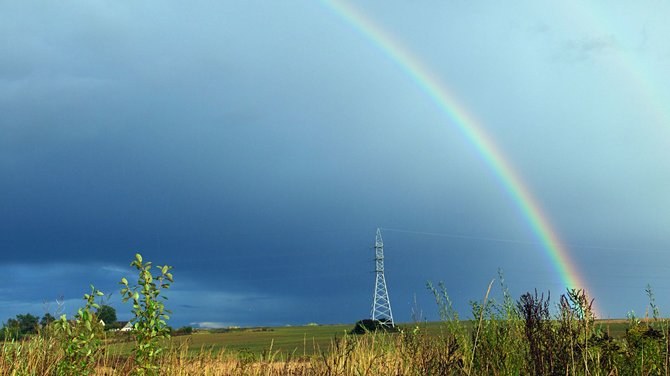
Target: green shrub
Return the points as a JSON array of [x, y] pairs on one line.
[[150, 316], [80, 339]]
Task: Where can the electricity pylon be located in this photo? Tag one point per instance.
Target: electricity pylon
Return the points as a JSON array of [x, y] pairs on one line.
[[381, 305]]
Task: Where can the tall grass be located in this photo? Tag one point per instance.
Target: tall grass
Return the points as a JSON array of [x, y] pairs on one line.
[[531, 335]]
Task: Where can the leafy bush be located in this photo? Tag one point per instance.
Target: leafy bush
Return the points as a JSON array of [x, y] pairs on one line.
[[81, 338], [150, 316], [369, 326]]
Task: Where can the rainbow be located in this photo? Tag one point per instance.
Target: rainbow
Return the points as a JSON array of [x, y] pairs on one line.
[[473, 132]]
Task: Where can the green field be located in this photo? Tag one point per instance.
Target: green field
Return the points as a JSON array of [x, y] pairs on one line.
[[297, 340], [300, 340], [287, 340]]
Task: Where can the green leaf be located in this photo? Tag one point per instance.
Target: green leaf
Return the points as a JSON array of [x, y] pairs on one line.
[[138, 257]]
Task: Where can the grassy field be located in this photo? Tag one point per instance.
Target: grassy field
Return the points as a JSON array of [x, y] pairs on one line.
[[310, 340], [303, 340], [297, 341], [568, 345]]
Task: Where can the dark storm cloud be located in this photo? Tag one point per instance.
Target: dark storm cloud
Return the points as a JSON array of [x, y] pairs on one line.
[[255, 147]]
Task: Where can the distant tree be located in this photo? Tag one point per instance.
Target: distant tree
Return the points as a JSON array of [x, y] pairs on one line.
[[369, 326], [20, 326], [107, 314], [27, 323], [10, 330], [47, 319], [184, 330]]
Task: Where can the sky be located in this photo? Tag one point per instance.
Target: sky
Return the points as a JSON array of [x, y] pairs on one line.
[[256, 146]]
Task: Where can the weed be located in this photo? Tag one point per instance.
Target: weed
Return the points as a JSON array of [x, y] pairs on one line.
[[80, 338]]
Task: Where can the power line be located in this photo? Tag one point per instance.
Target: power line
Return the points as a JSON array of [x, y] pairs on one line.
[[525, 242]]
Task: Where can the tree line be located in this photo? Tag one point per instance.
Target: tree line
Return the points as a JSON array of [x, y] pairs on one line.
[[23, 325]]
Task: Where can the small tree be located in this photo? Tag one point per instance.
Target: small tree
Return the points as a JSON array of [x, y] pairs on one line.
[[107, 314], [150, 315]]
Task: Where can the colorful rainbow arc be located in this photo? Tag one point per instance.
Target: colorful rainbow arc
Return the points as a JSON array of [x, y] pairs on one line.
[[473, 132]]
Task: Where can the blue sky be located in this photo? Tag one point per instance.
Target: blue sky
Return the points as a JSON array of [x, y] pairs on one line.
[[256, 146]]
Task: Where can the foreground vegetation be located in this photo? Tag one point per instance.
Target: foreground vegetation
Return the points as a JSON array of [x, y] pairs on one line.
[[531, 335]]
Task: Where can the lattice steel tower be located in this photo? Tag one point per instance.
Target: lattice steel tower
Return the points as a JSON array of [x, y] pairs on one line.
[[381, 305]]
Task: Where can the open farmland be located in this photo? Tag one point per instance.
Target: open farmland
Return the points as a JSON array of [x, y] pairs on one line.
[[297, 341], [311, 340], [468, 347]]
